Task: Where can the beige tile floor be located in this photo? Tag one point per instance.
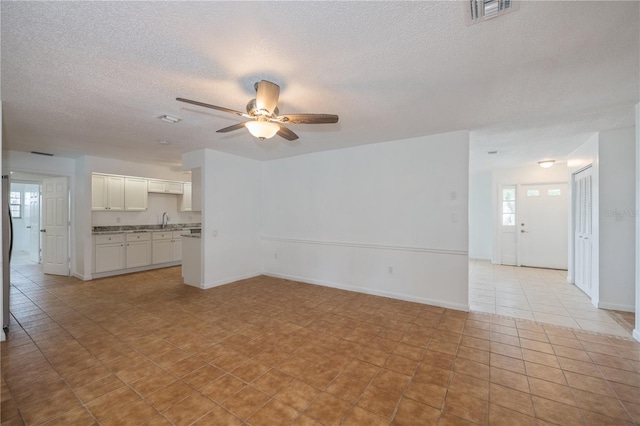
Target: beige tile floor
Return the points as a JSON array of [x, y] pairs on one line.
[[541, 295], [145, 349]]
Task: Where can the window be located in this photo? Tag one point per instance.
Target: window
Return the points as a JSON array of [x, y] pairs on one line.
[[15, 204], [509, 207], [554, 192], [533, 192]]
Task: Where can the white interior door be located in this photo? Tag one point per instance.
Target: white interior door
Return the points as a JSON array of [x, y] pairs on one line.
[[55, 226], [34, 225], [543, 223], [582, 219]]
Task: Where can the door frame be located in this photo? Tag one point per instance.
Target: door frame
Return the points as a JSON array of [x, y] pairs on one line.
[[498, 214], [26, 175]]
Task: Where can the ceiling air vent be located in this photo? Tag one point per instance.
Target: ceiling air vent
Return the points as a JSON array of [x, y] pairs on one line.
[[481, 10]]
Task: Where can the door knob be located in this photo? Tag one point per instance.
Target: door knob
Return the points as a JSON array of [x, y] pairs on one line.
[[43, 230], [522, 231]]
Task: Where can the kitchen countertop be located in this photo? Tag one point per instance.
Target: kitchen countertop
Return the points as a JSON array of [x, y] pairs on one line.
[[101, 230], [197, 235]]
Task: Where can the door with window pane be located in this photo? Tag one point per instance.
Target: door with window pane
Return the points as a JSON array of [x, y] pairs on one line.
[[542, 226]]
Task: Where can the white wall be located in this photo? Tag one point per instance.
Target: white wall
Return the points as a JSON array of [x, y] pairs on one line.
[[612, 155], [518, 176], [617, 219], [636, 331], [480, 216], [230, 216], [378, 218]]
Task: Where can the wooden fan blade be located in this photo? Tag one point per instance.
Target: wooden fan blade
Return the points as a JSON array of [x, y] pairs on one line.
[[267, 96], [231, 128], [286, 133], [308, 118], [202, 104]]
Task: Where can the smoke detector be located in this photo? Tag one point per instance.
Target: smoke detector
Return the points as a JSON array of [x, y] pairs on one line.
[[481, 10]]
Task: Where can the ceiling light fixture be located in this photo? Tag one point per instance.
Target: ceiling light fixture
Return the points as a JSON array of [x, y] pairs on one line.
[[545, 164], [169, 119], [262, 129]]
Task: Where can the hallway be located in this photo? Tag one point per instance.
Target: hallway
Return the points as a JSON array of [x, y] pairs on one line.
[[541, 295]]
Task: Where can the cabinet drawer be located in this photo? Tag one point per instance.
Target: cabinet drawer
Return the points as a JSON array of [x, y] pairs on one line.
[[176, 234], [137, 236], [161, 235], [109, 239]]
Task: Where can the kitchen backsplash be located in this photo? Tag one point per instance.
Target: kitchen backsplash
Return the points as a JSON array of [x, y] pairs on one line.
[[157, 204]]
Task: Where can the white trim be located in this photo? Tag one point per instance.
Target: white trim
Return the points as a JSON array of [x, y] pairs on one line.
[[636, 334], [367, 245], [399, 296], [206, 286], [616, 307], [82, 277], [137, 269]]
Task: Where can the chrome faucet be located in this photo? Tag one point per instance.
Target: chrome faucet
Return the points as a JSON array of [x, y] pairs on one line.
[[165, 220]]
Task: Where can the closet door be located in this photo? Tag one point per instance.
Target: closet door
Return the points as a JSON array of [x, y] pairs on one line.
[[583, 222]]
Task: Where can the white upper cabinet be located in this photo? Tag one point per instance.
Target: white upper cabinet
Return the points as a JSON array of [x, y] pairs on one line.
[[165, 186], [135, 194], [185, 200], [107, 192]]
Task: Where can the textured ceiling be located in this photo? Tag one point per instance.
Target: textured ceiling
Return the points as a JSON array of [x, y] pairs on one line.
[[92, 77]]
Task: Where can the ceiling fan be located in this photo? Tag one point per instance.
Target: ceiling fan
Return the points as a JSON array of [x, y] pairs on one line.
[[263, 111]]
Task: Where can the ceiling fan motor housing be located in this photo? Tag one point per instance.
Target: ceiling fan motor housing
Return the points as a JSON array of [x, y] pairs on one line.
[[253, 110]]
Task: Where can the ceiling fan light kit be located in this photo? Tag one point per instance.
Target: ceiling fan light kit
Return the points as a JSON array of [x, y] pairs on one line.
[[262, 129], [263, 111]]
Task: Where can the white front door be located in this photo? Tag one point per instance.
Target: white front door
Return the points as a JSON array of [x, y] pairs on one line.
[[55, 226], [542, 226], [582, 220], [34, 224]]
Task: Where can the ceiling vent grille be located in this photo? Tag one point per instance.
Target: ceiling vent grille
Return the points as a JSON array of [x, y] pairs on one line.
[[481, 10]]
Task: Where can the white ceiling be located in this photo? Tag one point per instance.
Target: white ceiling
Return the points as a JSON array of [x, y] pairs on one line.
[[92, 77]]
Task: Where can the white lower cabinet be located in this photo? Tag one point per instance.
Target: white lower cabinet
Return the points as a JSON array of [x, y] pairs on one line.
[[167, 247], [114, 252], [138, 250], [176, 247], [109, 253]]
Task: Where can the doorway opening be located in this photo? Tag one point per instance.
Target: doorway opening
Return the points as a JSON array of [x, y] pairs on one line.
[[40, 211], [24, 203]]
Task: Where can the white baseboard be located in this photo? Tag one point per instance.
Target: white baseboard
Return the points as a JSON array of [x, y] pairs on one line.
[[636, 334], [616, 307], [206, 286], [137, 269], [399, 296], [3, 336], [82, 277]]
